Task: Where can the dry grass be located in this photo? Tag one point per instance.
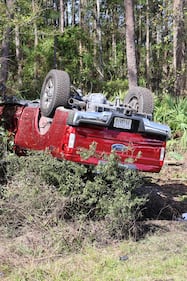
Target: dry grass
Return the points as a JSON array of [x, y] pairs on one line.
[[37, 245], [161, 256]]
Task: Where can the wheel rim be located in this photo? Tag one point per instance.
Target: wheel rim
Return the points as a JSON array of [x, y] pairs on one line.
[[134, 103], [48, 93]]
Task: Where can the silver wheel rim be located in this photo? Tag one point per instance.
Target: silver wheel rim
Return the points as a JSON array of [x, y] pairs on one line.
[[48, 93]]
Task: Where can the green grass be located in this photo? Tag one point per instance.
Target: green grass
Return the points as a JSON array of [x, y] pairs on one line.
[[160, 257], [183, 198]]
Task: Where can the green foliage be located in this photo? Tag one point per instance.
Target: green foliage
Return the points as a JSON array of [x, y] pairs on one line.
[[115, 88], [5, 149], [3, 138], [172, 111], [107, 193], [80, 51], [38, 61]]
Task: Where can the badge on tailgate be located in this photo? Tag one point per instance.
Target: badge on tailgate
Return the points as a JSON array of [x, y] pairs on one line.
[[119, 147]]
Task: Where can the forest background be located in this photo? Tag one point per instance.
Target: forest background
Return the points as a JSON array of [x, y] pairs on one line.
[[87, 38]]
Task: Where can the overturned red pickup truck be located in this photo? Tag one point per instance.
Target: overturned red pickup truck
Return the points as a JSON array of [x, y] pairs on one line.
[[66, 123]]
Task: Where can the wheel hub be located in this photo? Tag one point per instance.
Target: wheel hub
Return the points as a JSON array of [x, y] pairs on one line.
[[48, 93], [134, 103]]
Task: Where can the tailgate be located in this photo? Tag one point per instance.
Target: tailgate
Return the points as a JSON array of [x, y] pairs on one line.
[[136, 150]]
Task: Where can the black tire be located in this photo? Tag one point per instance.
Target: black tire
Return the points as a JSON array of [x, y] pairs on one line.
[[55, 92], [140, 99]]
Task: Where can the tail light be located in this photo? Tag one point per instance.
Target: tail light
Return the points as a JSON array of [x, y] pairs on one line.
[[71, 141], [162, 154]]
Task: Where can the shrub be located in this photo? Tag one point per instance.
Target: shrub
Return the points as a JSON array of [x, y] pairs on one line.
[[105, 193], [5, 144], [3, 141], [172, 111], [115, 88]]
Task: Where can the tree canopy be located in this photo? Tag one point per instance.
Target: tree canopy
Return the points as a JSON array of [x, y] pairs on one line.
[[87, 38]]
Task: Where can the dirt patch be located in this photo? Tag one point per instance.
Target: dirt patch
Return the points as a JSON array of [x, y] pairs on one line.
[[168, 191]]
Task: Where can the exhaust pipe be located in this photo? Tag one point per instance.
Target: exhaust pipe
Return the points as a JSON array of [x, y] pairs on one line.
[[77, 103]]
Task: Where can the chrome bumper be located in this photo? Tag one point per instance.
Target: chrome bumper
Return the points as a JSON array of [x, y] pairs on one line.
[[156, 128], [105, 119]]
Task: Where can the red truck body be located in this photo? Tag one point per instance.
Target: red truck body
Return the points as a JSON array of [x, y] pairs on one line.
[[139, 142]]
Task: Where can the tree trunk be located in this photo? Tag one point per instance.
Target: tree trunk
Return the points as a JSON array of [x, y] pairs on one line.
[[5, 56], [179, 47], [185, 48], [73, 13], [93, 34], [81, 24], [66, 13], [147, 46], [115, 21], [18, 55], [130, 44], [62, 16], [99, 40], [35, 38], [4, 60]]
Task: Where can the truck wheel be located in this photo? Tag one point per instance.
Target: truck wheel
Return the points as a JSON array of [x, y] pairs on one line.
[[55, 92], [140, 99]]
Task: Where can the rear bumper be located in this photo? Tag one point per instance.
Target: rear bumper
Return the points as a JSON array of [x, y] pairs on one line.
[[106, 119], [155, 128]]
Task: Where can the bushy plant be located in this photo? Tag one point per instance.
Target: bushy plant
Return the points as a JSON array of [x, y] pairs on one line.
[[5, 141], [106, 193], [172, 111], [115, 88]]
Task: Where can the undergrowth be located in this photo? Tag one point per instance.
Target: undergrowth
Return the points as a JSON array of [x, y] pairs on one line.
[[173, 112], [42, 189]]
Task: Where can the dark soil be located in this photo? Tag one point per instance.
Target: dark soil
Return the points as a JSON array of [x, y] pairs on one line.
[[167, 192]]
